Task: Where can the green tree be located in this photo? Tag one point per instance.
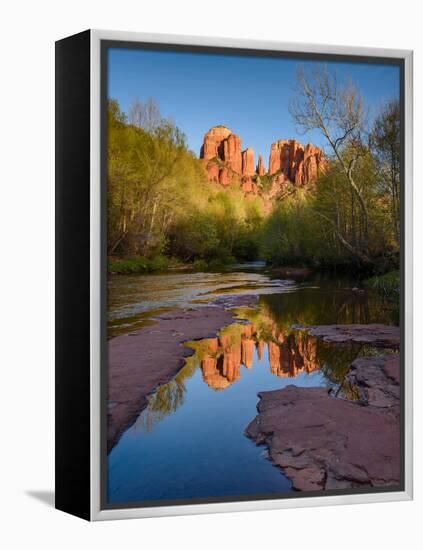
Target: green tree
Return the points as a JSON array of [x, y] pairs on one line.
[[146, 171]]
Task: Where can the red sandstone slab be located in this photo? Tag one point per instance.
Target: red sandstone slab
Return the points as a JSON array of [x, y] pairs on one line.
[[323, 442], [374, 334]]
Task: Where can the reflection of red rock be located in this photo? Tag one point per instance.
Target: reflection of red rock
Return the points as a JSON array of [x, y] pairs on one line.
[[260, 348], [138, 364], [307, 349], [274, 356], [295, 354], [213, 375], [221, 364], [221, 370], [231, 358], [247, 352], [289, 354]]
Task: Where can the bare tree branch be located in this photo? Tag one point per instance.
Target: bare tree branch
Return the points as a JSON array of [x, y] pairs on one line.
[[337, 112]]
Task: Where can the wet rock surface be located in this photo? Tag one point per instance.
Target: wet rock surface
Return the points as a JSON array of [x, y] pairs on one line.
[[140, 361], [377, 335], [325, 442], [376, 380]]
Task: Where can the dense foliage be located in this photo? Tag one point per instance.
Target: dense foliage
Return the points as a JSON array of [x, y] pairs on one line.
[[388, 284], [159, 201], [325, 224]]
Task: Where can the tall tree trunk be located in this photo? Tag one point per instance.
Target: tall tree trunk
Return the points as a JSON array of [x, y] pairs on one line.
[[151, 228]]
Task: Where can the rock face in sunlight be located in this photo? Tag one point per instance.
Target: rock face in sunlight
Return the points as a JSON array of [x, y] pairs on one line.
[[232, 153], [289, 161], [298, 164], [222, 155], [213, 140], [261, 170], [325, 442], [248, 162]]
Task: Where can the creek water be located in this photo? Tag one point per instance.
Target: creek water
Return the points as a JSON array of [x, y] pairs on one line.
[[189, 442]]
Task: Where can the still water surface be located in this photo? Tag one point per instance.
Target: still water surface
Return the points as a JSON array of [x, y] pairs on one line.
[[189, 442]]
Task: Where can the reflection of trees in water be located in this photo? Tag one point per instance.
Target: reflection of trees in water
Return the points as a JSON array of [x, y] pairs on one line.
[[167, 399], [335, 360], [335, 366], [291, 351], [326, 306]]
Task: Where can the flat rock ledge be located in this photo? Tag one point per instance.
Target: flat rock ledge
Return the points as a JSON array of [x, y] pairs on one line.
[[377, 335], [324, 442], [141, 361]]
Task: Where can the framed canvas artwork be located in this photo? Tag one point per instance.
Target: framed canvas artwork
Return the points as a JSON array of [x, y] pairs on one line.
[[233, 275]]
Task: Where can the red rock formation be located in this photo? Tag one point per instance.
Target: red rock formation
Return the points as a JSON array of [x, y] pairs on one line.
[[298, 164], [314, 164], [213, 171], [212, 142], [248, 162], [232, 153], [221, 152], [260, 166], [289, 161], [225, 176], [248, 186], [275, 160]]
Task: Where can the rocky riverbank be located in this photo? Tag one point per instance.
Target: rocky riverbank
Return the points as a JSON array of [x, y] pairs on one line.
[[325, 442]]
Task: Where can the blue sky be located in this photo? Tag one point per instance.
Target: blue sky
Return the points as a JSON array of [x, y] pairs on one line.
[[249, 95]]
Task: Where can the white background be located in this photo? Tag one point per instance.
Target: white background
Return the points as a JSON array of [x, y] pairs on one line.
[[29, 29]]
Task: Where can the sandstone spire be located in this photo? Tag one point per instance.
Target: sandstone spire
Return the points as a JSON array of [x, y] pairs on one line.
[[297, 163], [248, 162], [260, 166]]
